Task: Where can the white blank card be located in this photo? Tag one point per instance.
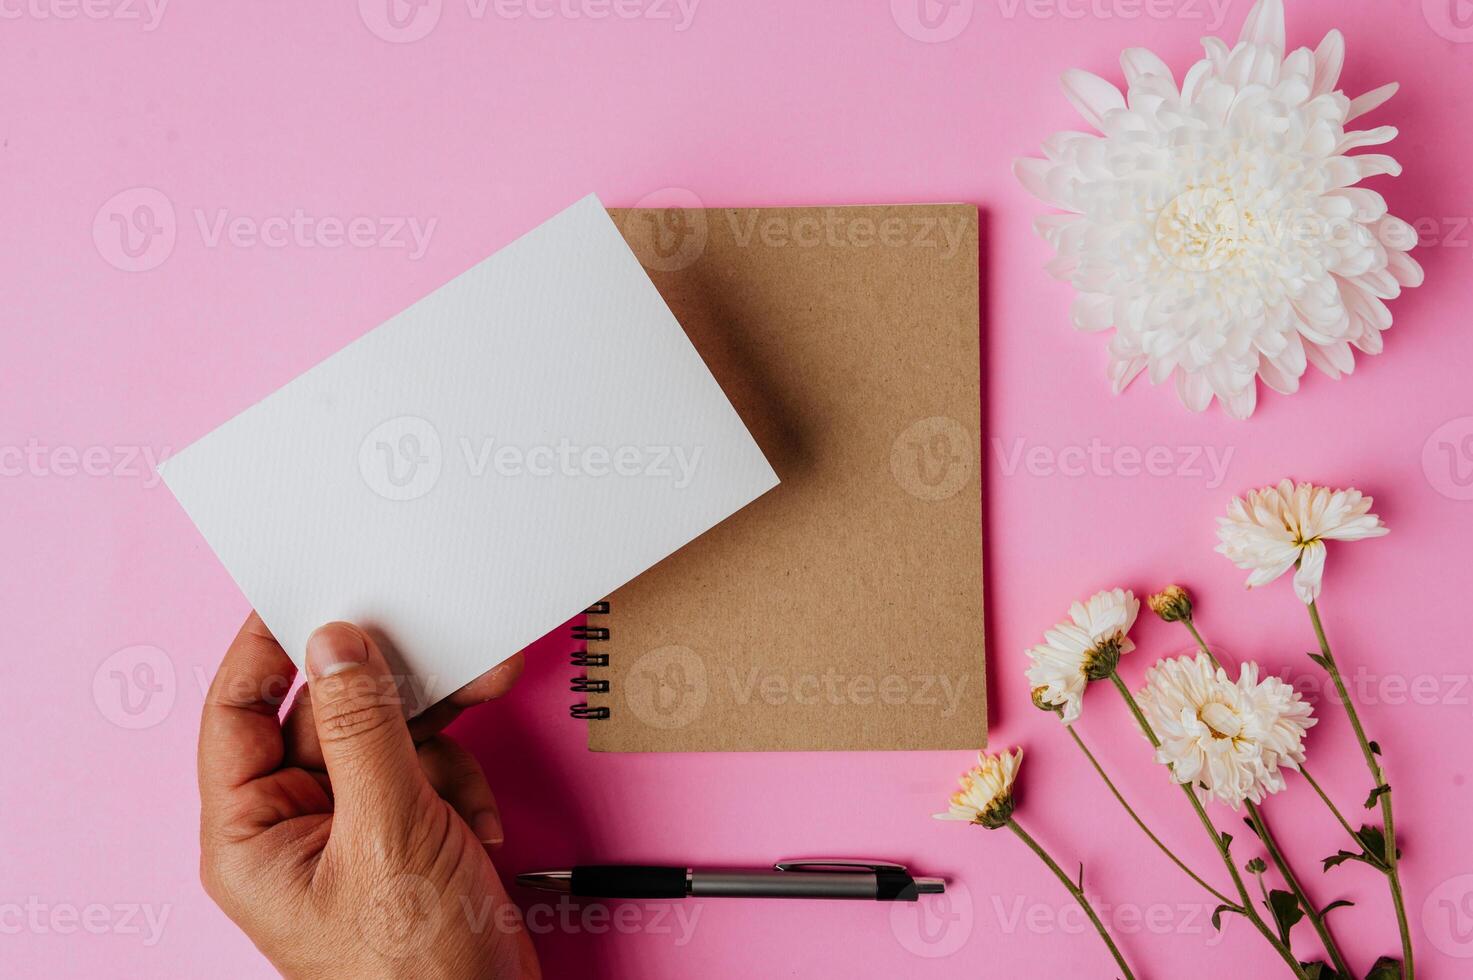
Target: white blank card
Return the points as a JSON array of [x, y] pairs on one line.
[[480, 468]]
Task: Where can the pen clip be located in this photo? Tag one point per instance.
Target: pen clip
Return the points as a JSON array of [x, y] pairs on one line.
[[837, 864]]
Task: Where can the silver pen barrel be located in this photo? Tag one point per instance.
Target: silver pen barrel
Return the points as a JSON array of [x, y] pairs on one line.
[[782, 884]]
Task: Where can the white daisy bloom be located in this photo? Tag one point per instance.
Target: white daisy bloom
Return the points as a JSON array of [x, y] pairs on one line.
[[1217, 226], [1086, 647], [1230, 738], [986, 794], [1268, 531]]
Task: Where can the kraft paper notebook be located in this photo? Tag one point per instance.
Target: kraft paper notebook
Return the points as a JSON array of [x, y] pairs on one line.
[[844, 609]]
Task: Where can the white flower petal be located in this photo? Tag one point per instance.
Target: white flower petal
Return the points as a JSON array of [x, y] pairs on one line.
[[1329, 59], [1091, 95], [1311, 572], [1371, 101], [1138, 63], [1265, 25]]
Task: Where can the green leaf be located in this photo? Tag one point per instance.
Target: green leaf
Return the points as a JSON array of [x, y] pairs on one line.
[[1217, 915], [1286, 912], [1256, 866], [1375, 748], [1227, 841], [1338, 904], [1081, 876], [1373, 839], [1249, 822], [1376, 794], [1340, 857], [1321, 971], [1386, 968], [1322, 661]]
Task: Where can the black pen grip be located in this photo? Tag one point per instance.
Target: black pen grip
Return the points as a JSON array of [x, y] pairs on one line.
[[628, 881]]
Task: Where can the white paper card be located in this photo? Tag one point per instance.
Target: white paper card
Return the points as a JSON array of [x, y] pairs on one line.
[[480, 468]]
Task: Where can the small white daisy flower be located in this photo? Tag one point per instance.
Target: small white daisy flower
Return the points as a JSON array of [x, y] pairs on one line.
[[986, 794], [1271, 530], [1084, 648]]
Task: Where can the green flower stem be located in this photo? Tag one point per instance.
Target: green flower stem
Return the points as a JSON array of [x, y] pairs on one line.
[[1141, 823], [1316, 918], [1245, 908], [1321, 928], [1393, 874], [1075, 891], [1201, 643], [1329, 803]]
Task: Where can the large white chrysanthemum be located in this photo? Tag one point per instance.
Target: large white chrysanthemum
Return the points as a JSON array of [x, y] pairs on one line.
[[1084, 648], [1268, 531], [986, 794], [1230, 738], [1216, 226]]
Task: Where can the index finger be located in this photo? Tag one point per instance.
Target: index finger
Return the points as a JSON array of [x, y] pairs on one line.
[[239, 734]]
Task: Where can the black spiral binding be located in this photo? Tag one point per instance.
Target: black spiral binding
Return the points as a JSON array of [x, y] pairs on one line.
[[584, 658]]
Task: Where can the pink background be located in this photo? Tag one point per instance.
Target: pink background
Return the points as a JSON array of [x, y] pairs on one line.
[[488, 125]]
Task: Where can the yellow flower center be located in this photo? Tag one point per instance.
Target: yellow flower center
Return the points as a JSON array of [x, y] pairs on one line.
[[1201, 229], [1221, 720]]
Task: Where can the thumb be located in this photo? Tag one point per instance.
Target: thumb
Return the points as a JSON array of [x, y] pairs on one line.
[[359, 714]]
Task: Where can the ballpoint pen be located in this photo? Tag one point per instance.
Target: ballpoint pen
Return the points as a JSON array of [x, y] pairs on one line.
[[876, 881]]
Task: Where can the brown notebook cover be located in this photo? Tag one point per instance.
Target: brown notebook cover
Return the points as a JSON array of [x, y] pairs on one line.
[[842, 610]]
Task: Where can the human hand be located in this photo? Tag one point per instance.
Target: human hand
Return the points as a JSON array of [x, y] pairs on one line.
[[339, 846]]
